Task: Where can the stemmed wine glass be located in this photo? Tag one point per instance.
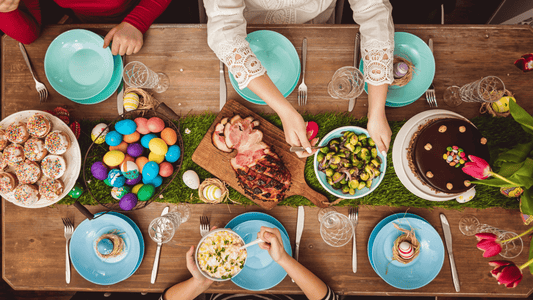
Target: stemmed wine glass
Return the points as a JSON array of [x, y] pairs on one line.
[[335, 228], [136, 74], [489, 89]]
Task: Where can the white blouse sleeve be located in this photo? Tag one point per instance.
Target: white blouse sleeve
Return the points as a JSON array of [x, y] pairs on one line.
[[226, 33], [377, 42]]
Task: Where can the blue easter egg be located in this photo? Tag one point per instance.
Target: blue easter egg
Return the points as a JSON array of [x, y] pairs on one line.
[[150, 170], [157, 181], [173, 154], [106, 181], [115, 178], [113, 138], [126, 126], [145, 140]]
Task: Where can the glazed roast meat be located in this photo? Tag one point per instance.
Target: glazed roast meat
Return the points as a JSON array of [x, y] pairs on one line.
[[260, 171]]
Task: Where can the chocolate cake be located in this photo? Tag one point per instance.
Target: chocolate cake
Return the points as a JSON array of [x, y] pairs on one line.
[[440, 148]]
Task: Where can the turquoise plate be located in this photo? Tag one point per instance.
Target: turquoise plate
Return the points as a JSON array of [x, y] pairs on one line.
[[111, 87], [415, 50], [279, 57], [423, 269], [76, 64], [254, 215], [95, 269]]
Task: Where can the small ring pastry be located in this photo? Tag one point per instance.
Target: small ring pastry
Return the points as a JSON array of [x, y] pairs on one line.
[[3, 140], [17, 133], [3, 162], [8, 182], [14, 155], [51, 189], [26, 194], [38, 126], [53, 166], [57, 142], [28, 172], [34, 149]]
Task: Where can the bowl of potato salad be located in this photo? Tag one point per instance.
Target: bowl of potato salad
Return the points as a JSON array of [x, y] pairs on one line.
[[218, 255]]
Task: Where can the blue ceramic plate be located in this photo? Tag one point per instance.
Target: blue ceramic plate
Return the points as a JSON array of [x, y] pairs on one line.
[[415, 50], [92, 267], [423, 269], [279, 57], [256, 216], [111, 88], [260, 272], [76, 64], [321, 176]]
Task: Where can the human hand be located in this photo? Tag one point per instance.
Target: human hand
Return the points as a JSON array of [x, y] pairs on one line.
[[8, 5], [126, 39], [191, 266], [273, 243], [380, 131], [294, 128]]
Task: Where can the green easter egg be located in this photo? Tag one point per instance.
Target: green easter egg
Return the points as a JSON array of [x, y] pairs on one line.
[[146, 192]]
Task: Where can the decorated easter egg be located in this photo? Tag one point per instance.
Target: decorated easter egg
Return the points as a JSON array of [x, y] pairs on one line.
[[113, 138], [146, 192], [130, 170], [132, 138], [141, 161], [122, 147], [113, 158], [136, 188], [154, 157], [119, 192], [134, 181], [169, 135], [466, 196], [135, 149], [166, 169], [312, 130], [502, 105], [156, 181], [128, 157], [131, 101], [511, 192], [106, 181], [155, 124], [97, 130], [150, 170], [99, 170], [125, 126], [173, 153], [145, 140], [212, 192], [128, 201], [191, 179], [115, 178], [158, 146], [142, 125]]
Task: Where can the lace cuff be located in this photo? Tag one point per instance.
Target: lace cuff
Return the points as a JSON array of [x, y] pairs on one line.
[[378, 58], [241, 61]]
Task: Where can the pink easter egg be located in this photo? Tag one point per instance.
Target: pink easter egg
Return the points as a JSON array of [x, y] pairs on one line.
[[142, 125], [155, 124], [165, 169]]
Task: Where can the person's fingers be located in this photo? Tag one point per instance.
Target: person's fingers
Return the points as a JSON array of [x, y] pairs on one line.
[[109, 37], [123, 48], [380, 145], [314, 141], [213, 228], [304, 142], [137, 48], [115, 47], [264, 246], [190, 259], [129, 50]]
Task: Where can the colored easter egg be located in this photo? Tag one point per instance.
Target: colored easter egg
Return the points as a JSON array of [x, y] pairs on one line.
[[122, 147], [155, 124], [119, 192], [113, 158], [156, 158], [134, 181], [158, 146], [128, 157], [128, 202], [135, 149], [141, 161], [115, 178], [136, 188], [125, 126], [113, 138], [150, 170], [212, 192], [145, 140], [130, 170], [173, 153], [99, 132], [106, 181], [142, 125], [191, 179], [166, 169], [131, 101], [502, 105], [132, 138], [157, 181], [99, 170], [146, 192], [512, 192], [169, 135]]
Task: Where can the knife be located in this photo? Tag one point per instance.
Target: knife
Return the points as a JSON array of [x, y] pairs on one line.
[[157, 253], [448, 239], [351, 104], [222, 86], [299, 230], [120, 98]]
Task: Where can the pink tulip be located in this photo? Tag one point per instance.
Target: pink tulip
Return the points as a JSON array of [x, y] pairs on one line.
[[525, 63], [477, 168], [489, 244], [506, 273]]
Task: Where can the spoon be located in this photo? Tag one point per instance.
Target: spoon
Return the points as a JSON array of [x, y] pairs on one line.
[[251, 244]]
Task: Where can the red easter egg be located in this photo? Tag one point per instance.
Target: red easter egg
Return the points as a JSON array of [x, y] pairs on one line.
[[166, 169], [169, 135], [142, 125], [155, 124], [122, 147], [141, 161], [132, 138]]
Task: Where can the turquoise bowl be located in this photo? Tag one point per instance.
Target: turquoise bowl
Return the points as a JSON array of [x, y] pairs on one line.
[[76, 64], [279, 57], [414, 49]]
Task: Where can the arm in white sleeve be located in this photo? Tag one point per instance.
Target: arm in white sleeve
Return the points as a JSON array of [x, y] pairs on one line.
[[377, 43], [226, 35]]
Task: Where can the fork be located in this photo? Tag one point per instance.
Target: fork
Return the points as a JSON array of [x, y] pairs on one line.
[[353, 215], [430, 93], [69, 229], [302, 89], [204, 225], [41, 88]]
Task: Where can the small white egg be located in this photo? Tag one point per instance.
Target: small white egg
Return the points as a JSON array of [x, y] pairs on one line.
[[466, 196], [191, 179]]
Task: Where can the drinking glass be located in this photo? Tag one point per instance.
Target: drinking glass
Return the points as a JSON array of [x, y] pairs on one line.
[[489, 89], [335, 228], [163, 228], [136, 74], [347, 83]]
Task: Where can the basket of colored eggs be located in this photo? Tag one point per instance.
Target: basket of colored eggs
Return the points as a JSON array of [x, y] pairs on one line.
[[132, 159]]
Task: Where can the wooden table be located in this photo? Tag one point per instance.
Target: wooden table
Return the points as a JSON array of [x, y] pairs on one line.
[[32, 239]]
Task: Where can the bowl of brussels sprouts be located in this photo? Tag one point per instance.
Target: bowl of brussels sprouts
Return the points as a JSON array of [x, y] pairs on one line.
[[349, 164]]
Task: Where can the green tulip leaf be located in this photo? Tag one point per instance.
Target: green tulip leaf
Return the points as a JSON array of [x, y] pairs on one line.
[[526, 202], [491, 181], [521, 116], [516, 155]]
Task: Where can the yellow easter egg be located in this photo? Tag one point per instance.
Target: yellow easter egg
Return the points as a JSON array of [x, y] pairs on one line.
[[131, 101], [136, 188], [114, 158], [155, 157], [212, 192], [158, 146], [99, 132], [502, 105]]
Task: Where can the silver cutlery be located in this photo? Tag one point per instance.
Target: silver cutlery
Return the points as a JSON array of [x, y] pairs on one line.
[[120, 98], [296, 149], [69, 229], [299, 230], [257, 241], [302, 89], [430, 93], [157, 253], [353, 215], [39, 86], [448, 239], [204, 225], [351, 103], [222, 86]]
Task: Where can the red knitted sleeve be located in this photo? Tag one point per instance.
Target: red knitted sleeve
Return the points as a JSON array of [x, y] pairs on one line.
[[145, 13], [21, 26]]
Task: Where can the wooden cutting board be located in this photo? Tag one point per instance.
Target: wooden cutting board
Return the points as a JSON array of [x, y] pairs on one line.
[[217, 162]]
